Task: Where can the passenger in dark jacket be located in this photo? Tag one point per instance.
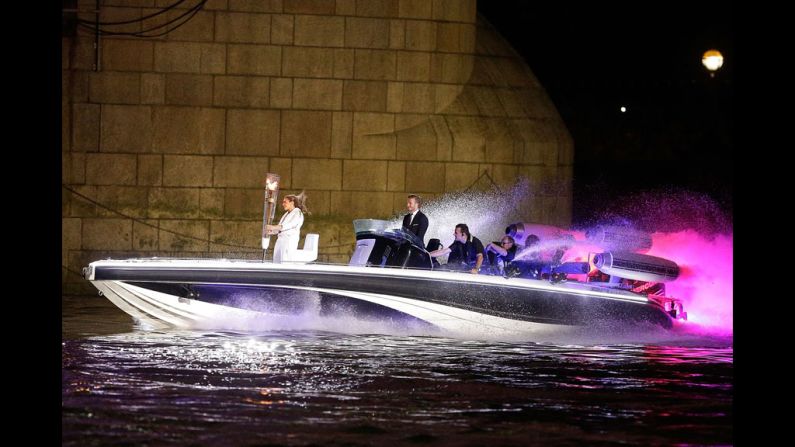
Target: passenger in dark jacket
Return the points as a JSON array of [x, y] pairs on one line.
[[466, 252]]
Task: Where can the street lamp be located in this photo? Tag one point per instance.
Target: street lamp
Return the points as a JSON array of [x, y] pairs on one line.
[[713, 60]]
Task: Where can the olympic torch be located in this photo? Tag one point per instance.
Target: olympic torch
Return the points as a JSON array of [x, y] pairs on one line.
[[271, 194]]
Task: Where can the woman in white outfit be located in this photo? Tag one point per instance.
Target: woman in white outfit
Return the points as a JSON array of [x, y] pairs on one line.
[[289, 228]]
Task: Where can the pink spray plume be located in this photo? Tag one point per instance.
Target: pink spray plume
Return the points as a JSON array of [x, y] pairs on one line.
[[705, 283], [695, 231]]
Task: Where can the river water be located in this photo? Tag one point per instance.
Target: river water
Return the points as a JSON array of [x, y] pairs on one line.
[[126, 384]]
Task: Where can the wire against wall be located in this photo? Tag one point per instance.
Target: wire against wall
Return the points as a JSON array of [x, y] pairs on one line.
[[250, 248]]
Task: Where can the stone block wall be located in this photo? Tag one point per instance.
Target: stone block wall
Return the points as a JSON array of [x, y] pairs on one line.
[[167, 142]]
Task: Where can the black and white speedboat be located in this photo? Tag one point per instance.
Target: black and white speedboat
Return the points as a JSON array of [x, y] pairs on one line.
[[391, 274]]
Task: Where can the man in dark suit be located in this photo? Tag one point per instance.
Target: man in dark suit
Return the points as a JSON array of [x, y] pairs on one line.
[[415, 221]]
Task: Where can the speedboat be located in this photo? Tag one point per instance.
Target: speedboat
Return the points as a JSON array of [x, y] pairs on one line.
[[391, 275]]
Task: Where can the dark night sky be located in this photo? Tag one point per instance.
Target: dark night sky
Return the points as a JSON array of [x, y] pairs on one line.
[[594, 57]]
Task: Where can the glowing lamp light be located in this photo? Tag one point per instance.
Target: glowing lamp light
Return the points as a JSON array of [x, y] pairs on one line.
[[712, 60]]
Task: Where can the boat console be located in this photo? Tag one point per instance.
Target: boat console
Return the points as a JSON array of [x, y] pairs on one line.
[[380, 244]]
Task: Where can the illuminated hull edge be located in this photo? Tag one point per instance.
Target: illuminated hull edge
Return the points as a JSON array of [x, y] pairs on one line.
[[184, 292]]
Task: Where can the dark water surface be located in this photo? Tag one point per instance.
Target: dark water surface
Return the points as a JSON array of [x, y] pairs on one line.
[[126, 385]]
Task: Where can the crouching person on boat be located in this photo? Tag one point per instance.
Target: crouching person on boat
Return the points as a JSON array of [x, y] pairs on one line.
[[466, 251], [500, 254], [289, 228]]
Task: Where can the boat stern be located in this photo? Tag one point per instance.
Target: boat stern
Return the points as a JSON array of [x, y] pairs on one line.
[[671, 306]]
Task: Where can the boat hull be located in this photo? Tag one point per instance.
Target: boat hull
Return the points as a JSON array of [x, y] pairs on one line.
[[186, 293]]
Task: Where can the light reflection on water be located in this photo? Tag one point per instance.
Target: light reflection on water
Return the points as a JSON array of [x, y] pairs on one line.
[[123, 384]]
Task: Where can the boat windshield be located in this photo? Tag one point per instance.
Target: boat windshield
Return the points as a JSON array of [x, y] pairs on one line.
[[374, 225], [386, 228]]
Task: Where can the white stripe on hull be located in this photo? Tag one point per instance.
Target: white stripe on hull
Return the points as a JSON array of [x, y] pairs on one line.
[[158, 308], [164, 310], [451, 319]]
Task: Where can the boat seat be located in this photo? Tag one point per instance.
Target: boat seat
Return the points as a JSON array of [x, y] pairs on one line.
[[307, 254]]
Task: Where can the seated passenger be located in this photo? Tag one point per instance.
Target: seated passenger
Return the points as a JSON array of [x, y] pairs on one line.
[[530, 265], [500, 254], [466, 252], [538, 260]]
